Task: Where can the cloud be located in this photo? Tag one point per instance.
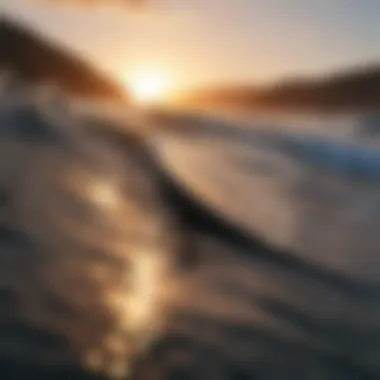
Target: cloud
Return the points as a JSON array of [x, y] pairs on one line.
[[131, 4]]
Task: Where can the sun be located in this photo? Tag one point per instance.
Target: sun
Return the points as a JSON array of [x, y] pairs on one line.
[[148, 86]]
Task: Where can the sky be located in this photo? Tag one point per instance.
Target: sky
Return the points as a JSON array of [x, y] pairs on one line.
[[202, 42]]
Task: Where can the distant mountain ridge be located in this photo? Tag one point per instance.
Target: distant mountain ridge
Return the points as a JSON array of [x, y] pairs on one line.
[[354, 89], [33, 59]]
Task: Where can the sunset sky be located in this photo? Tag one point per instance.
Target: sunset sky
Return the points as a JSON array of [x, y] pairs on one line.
[[198, 42]]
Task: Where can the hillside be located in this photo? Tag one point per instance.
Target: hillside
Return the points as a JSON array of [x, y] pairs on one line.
[[34, 59], [356, 89]]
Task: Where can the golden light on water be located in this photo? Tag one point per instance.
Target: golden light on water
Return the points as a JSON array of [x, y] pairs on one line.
[[149, 86]]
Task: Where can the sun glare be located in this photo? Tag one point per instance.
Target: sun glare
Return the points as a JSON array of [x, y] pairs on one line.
[[148, 86]]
